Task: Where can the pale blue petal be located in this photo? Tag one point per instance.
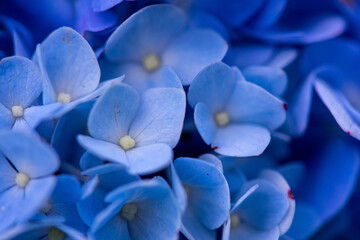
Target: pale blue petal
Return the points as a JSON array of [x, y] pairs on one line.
[[160, 117], [104, 150], [37, 192], [148, 31], [345, 115], [205, 183], [244, 231], [273, 80], [213, 86], [6, 118], [29, 156], [7, 174], [138, 78], [149, 158], [192, 51], [251, 104], [241, 140], [265, 207], [110, 117], [212, 159], [204, 122], [10, 206], [20, 82], [36, 114], [70, 63]]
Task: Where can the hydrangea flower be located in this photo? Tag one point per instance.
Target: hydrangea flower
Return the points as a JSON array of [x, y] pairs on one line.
[[263, 212], [138, 133], [153, 48], [140, 210], [15, 101], [26, 181], [232, 114], [103, 179], [70, 70], [207, 195], [49, 229]]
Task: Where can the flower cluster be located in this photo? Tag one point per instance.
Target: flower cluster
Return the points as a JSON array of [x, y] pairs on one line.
[[179, 119]]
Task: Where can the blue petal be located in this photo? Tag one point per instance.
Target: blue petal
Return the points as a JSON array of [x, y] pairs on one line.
[[7, 174], [205, 184], [330, 182], [11, 206], [104, 150], [36, 114], [15, 73], [67, 190], [269, 14], [194, 229], [178, 189], [247, 232], [204, 122], [273, 80], [241, 140], [89, 207], [313, 29], [279, 181], [300, 106], [88, 160], [70, 63], [212, 159], [192, 51], [28, 155], [149, 158], [345, 115], [228, 10], [213, 86], [111, 176], [160, 117], [6, 118], [115, 228], [250, 103], [148, 30], [265, 207], [138, 78], [37, 192], [99, 6], [110, 117]]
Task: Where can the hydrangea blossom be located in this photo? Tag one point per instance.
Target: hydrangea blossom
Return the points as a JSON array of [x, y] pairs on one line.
[[26, 177], [16, 110], [232, 114], [153, 48], [138, 133]]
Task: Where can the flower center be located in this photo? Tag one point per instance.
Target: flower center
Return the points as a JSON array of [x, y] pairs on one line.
[[128, 211], [151, 62], [235, 220], [63, 97], [22, 179], [56, 234], [222, 119], [127, 142], [17, 111]]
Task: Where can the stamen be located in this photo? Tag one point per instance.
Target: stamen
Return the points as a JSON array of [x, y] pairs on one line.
[[56, 234], [128, 211], [63, 97], [222, 119], [127, 142], [151, 62], [17, 111], [235, 220], [22, 179]]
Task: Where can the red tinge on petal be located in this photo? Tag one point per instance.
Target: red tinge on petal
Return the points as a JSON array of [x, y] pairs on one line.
[[290, 195], [285, 106]]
